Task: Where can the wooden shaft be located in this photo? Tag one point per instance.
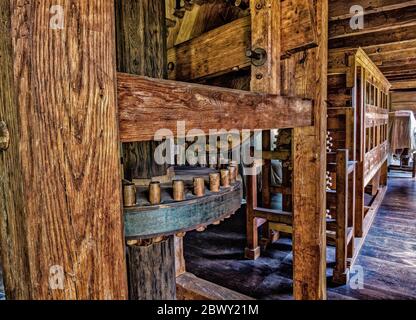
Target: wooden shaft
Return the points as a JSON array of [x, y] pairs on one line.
[[178, 190], [141, 49], [214, 182], [225, 178], [152, 270], [129, 195], [154, 192], [199, 186]]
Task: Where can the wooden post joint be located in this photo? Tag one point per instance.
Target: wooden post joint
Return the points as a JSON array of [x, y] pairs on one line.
[[4, 136]]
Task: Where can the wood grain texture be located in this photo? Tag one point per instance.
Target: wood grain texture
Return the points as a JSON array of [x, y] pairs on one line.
[[190, 287], [403, 101], [339, 10], [340, 270], [378, 21], [141, 50], [152, 271], [298, 26], [60, 185], [222, 49], [265, 34], [213, 53], [147, 105], [309, 149]]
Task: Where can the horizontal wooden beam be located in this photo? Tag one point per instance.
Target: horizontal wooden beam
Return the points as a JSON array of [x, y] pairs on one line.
[[213, 53], [375, 38], [375, 22], [400, 85], [403, 56], [339, 10], [147, 105], [190, 287], [273, 215], [381, 48]]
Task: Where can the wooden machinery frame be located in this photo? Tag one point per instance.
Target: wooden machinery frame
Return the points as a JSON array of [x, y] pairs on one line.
[[358, 101], [67, 110]]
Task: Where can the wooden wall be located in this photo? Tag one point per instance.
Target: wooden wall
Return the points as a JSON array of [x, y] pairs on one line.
[[403, 100]]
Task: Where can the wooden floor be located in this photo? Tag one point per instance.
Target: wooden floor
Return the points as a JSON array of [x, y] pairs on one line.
[[388, 257]]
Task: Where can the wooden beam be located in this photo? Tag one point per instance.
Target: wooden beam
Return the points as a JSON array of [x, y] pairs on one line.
[[400, 85], [213, 53], [395, 70], [265, 77], [375, 38], [375, 22], [202, 18], [298, 27], [147, 105], [381, 48], [61, 230], [398, 57], [190, 287], [309, 168], [339, 10]]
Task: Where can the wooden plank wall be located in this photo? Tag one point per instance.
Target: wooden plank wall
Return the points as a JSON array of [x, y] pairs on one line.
[[61, 230], [403, 100]]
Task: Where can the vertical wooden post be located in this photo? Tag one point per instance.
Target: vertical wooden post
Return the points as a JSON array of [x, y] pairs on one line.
[[60, 214], [265, 25], [309, 154], [340, 275], [141, 49], [252, 251], [362, 142]]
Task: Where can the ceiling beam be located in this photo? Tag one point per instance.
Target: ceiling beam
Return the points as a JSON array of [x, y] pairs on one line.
[[405, 84], [375, 38], [339, 10], [375, 22]]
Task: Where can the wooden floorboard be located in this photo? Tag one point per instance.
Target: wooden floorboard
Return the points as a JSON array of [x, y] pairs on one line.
[[388, 256]]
